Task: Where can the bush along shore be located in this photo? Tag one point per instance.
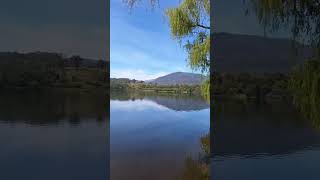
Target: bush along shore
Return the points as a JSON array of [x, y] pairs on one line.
[[47, 70]]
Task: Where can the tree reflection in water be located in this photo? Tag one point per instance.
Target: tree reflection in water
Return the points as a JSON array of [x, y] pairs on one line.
[[198, 169]]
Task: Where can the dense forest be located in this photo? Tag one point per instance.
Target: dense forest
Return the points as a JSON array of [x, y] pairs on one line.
[[43, 69]]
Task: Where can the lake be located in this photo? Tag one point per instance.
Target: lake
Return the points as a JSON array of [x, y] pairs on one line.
[[263, 141], [151, 135], [53, 134]]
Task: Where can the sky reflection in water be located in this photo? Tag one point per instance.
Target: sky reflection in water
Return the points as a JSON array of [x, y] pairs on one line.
[[150, 140]]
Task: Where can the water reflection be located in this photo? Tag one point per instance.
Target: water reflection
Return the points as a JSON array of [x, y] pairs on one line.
[[151, 136], [198, 169], [56, 134], [43, 107], [251, 140], [173, 102]]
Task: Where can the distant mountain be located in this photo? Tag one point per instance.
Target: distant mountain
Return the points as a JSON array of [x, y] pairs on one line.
[[16, 58], [234, 53], [180, 78]]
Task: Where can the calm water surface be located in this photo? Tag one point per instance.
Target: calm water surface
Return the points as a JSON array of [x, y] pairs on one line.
[[151, 136], [50, 135], [263, 142]]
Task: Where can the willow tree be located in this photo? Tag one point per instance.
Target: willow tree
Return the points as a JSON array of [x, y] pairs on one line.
[[303, 18], [190, 26]]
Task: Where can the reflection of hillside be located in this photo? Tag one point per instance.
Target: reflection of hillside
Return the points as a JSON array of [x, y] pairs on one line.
[[52, 106], [250, 129], [177, 103]]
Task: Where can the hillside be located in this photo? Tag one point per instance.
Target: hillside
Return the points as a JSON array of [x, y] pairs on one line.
[[234, 53], [43, 69], [179, 78]]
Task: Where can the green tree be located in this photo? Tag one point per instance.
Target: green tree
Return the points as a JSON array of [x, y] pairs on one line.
[[190, 25]]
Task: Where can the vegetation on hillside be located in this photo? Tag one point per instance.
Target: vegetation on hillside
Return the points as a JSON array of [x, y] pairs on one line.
[[42, 69], [124, 84], [251, 86]]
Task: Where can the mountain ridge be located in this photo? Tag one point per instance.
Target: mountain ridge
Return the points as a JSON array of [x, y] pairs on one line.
[[239, 53], [178, 78]]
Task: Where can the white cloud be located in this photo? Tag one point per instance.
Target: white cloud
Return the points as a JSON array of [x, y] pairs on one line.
[[137, 74]]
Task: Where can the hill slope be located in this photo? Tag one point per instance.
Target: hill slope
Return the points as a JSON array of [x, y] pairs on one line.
[[234, 53], [179, 78]]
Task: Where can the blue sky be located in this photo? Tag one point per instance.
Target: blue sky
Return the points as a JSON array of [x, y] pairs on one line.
[[141, 46]]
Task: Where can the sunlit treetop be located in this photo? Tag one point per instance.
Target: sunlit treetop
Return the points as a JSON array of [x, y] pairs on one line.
[[190, 25]]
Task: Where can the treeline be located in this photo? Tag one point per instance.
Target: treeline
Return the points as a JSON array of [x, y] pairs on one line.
[[125, 84], [122, 83], [267, 86], [43, 69]]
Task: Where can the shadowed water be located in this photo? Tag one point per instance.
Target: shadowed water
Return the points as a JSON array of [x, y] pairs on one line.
[[263, 141], [151, 135], [53, 134]]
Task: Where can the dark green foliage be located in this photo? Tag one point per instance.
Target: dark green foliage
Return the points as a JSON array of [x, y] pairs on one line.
[[127, 84], [205, 90], [305, 88], [250, 86], [41, 69]]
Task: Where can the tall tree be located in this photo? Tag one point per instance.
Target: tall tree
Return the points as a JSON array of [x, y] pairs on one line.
[[190, 25]]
